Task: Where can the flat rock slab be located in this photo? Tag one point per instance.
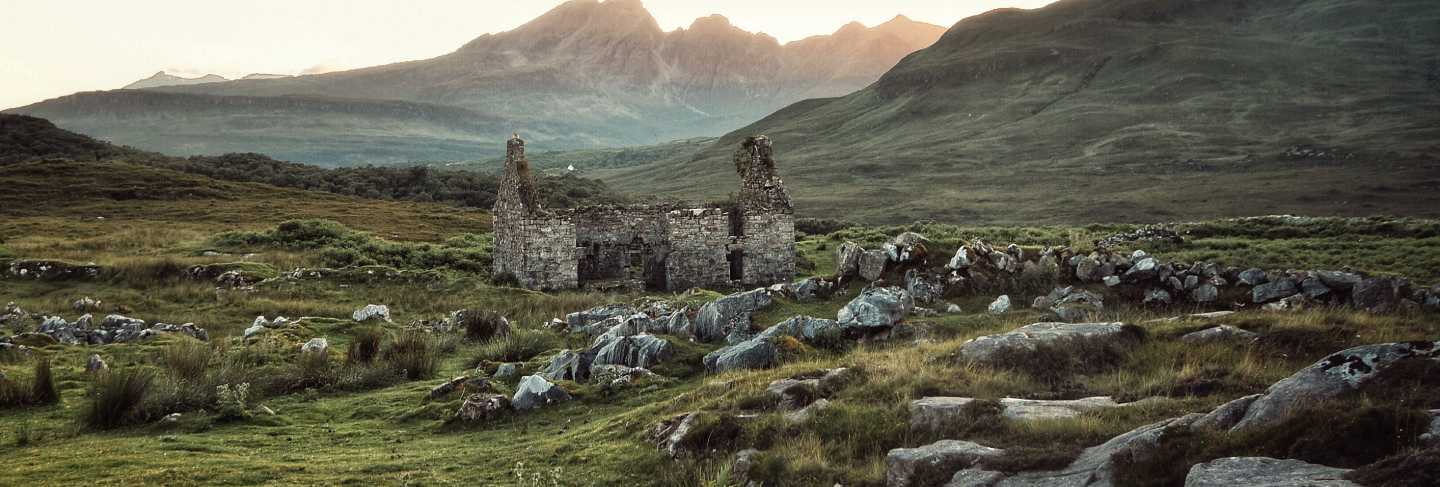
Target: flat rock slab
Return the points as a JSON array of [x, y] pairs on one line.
[[1265, 472], [934, 413], [1218, 334], [1030, 337], [933, 464]]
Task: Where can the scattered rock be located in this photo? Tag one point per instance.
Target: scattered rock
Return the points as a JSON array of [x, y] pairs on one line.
[[96, 364], [1157, 296], [567, 365], [447, 387], [86, 304], [933, 464], [1253, 277], [925, 289], [642, 351], [1111, 281], [482, 407], [1376, 295], [936, 413], [1001, 305], [1339, 280], [872, 264], [582, 320], [316, 345], [694, 434], [728, 318], [804, 414], [1260, 471], [1205, 293], [534, 392], [847, 260], [961, 260], [1219, 334], [372, 312], [876, 308], [756, 353], [1274, 290], [811, 289], [507, 371], [1292, 303]]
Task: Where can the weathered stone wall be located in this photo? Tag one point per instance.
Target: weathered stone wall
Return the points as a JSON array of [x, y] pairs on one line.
[[660, 247], [621, 243], [699, 243], [768, 248]]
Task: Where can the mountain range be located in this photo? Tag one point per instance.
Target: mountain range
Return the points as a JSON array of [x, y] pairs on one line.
[[586, 74], [1119, 111]]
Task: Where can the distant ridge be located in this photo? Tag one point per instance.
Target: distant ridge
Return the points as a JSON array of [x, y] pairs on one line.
[[587, 74], [162, 79]]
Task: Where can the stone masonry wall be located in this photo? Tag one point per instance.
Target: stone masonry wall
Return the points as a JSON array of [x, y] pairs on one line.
[[609, 239], [769, 248], [699, 241]]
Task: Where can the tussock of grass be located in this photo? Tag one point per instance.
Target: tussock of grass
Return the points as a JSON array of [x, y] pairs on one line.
[[116, 396], [519, 346]]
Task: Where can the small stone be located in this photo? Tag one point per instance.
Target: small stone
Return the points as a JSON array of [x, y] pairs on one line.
[[317, 345], [96, 364], [372, 312], [1111, 281], [534, 391]]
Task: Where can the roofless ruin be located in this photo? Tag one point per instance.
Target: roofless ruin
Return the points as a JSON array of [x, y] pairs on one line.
[[657, 247]]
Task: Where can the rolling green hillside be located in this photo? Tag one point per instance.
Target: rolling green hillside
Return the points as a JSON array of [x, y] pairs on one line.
[[1122, 110]]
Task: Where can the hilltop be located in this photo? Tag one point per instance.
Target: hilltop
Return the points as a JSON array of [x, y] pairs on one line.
[[1121, 110], [587, 74]]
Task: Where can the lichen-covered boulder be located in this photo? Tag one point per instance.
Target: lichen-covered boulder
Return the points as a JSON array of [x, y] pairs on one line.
[[728, 318], [534, 392], [1143, 270], [756, 353], [1274, 291], [813, 331], [318, 345], [1376, 295], [568, 365], [582, 320], [1339, 374], [372, 312], [1030, 337], [875, 309], [1338, 279], [924, 288], [1268, 472], [1205, 293], [1000, 306], [961, 260], [1253, 277], [642, 350], [847, 259], [933, 464], [872, 264], [810, 289]]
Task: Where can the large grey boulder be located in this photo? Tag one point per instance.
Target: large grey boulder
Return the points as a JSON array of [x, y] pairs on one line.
[[1265, 472], [813, 331], [811, 289], [534, 391], [643, 351], [1000, 305], [1205, 293], [933, 464], [1274, 290], [317, 345], [372, 312], [756, 353], [847, 259], [1030, 337], [1314, 288], [59, 329], [1253, 277], [1143, 270], [1376, 295], [568, 365], [872, 264], [875, 309], [961, 260], [1096, 465], [924, 288], [728, 318], [1339, 280], [1342, 373]]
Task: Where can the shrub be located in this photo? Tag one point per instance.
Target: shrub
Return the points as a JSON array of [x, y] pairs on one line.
[[1405, 469], [480, 326], [232, 402], [1057, 364], [116, 397], [414, 355], [310, 371], [187, 359], [365, 345], [363, 377], [42, 390]]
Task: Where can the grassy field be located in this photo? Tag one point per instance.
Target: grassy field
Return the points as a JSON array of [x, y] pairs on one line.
[[340, 423]]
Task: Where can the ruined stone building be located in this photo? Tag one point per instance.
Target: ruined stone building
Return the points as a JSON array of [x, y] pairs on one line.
[[657, 247]]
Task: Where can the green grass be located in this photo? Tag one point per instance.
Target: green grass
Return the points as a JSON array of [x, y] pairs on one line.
[[344, 419]]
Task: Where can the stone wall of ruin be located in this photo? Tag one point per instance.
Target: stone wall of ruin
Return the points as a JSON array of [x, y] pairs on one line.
[[538, 250], [699, 244], [610, 241], [768, 248]]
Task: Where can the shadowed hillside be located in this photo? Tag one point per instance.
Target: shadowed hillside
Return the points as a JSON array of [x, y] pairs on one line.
[[1123, 110]]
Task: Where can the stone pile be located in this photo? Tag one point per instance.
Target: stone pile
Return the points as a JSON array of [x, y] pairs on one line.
[[111, 329]]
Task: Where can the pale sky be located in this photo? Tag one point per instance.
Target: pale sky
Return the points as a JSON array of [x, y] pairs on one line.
[[51, 48]]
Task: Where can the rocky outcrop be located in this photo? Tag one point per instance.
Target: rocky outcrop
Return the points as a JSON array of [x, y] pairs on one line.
[[113, 329], [937, 413], [728, 318], [51, 270], [1266, 472], [644, 351], [694, 434], [1342, 373], [568, 365], [761, 351], [933, 464]]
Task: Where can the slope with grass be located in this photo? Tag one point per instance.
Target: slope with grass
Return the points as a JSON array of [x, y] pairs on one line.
[[1121, 110]]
